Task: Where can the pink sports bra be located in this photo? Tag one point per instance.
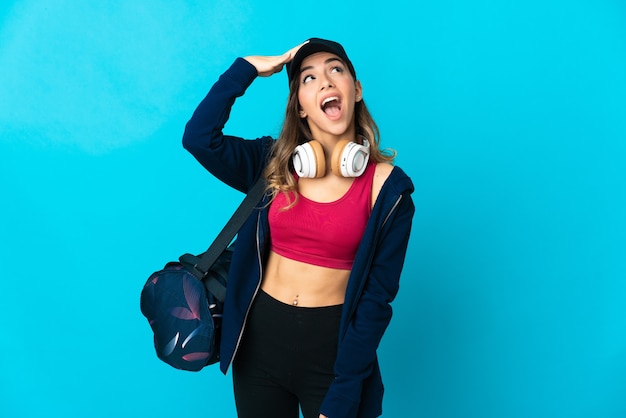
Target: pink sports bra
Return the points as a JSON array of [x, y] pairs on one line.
[[323, 234]]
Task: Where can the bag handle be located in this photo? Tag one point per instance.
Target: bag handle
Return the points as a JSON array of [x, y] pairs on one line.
[[201, 264]]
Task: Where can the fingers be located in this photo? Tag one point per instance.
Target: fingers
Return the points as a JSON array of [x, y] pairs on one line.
[[292, 52], [268, 65]]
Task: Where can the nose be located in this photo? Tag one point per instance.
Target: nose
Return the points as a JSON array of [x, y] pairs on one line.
[[325, 82]]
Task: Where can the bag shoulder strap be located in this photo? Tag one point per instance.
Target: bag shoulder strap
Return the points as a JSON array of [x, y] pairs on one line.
[[201, 264]]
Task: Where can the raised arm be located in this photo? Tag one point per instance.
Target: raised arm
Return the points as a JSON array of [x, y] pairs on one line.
[[233, 160]]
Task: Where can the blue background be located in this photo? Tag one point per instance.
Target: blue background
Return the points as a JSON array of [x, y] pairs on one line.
[[509, 116]]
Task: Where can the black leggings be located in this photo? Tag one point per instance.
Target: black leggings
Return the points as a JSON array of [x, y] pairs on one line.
[[285, 359]]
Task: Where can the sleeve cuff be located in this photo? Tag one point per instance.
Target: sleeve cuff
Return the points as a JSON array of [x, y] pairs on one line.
[[242, 72], [336, 406]]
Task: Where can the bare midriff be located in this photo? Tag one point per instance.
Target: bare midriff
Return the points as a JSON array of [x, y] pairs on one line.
[[302, 284]]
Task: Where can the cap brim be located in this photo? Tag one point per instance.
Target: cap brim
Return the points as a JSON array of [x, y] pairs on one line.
[[293, 67]]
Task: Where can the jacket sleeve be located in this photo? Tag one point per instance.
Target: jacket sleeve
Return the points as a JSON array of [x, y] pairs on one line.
[[233, 160], [356, 356]]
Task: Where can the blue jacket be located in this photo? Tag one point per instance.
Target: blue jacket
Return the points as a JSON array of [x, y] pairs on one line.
[[357, 389]]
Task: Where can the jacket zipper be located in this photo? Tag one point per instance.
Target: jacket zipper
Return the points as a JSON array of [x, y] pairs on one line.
[[393, 208], [245, 319]]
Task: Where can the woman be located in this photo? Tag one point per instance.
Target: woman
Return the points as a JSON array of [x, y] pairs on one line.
[[318, 263]]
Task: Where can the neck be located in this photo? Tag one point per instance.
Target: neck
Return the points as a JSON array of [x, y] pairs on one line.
[[329, 141]]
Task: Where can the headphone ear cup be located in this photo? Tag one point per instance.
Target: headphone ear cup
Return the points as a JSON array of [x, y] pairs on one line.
[[308, 160], [350, 159], [338, 155]]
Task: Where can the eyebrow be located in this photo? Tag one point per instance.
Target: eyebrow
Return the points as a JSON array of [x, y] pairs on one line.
[[331, 59]]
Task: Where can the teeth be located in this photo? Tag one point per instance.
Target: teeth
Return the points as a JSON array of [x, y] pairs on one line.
[[329, 99]]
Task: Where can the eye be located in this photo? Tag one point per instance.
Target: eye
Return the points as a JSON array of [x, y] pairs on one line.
[[336, 69], [307, 78]]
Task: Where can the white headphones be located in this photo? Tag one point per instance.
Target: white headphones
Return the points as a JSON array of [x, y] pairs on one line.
[[349, 159]]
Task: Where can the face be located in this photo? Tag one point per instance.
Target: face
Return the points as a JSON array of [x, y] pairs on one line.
[[327, 95]]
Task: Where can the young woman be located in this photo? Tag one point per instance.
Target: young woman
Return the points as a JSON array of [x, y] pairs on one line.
[[317, 264]]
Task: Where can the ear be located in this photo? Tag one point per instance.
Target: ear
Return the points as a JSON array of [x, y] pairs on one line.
[[301, 113], [358, 91]]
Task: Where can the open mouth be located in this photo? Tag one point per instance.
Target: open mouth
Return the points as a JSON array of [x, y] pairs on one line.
[[331, 106]]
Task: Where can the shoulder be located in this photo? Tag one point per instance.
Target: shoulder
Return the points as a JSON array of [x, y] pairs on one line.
[[383, 170], [381, 174]]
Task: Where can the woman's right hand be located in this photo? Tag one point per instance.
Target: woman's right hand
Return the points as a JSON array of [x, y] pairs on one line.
[[268, 65]]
